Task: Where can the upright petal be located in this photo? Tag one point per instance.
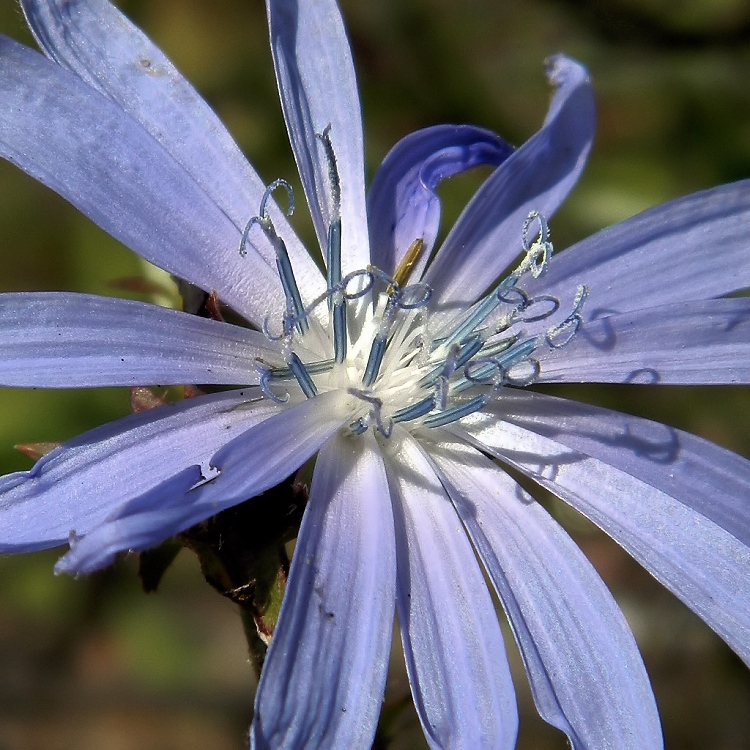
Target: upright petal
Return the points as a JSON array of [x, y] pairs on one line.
[[688, 343], [402, 203], [453, 646], [62, 340], [99, 44], [691, 248], [586, 674], [324, 676], [318, 89], [699, 560], [64, 133], [537, 177], [79, 485]]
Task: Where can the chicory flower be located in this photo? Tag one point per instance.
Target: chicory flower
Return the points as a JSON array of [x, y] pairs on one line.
[[404, 374]]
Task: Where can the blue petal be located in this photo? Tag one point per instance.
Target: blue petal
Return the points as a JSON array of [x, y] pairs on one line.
[[638, 491], [691, 343], [453, 646], [403, 205], [260, 457], [538, 176], [139, 525], [268, 452], [64, 133], [101, 46], [705, 477], [79, 485], [586, 674], [691, 248], [61, 340], [323, 679], [318, 90]]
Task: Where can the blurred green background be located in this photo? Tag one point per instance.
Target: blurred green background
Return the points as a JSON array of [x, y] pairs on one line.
[[95, 663]]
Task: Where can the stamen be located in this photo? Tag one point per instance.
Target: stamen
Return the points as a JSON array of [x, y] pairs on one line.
[[265, 375], [441, 383], [456, 412], [571, 324], [375, 359], [289, 284], [493, 369], [539, 252], [283, 264], [336, 303], [302, 375], [313, 368], [375, 414], [359, 427], [414, 411], [521, 381], [339, 331], [333, 172]]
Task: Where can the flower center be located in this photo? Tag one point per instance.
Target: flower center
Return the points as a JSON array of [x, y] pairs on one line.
[[401, 360]]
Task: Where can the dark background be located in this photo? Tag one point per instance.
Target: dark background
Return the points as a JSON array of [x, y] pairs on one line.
[[96, 664]]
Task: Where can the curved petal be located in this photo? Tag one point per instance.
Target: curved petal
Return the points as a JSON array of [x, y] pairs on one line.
[[691, 248], [101, 46], [324, 676], [703, 476], [61, 340], [453, 646], [318, 90], [80, 484], [77, 142], [537, 177], [277, 443], [402, 204], [139, 525], [271, 450], [692, 343], [586, 674], [701, 562]]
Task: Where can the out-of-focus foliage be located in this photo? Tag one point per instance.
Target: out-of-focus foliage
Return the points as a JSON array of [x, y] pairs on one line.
[[95, 663]]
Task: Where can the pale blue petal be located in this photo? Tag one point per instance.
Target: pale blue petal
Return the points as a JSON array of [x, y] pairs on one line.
[[324, 676], [318, 89], [690, 343], [79, 485], [707, 478], [402, 203], [697, 559], [272, 449], [139, 525], [274, 446], [101, 46], [538, 176], [62, 340], [586, 674], [64, 133], [453, 646], [691, 248]]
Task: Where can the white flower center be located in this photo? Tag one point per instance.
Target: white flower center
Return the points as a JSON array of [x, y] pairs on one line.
[[401, 361]]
